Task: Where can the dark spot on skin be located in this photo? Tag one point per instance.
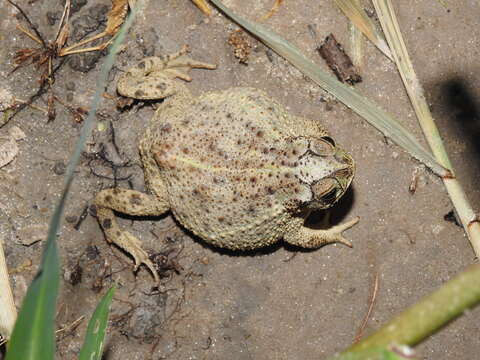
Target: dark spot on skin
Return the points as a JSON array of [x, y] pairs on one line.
[[253, 179], [270, 190], [294, 152], [296, 190], [160, 86], [215, 180], [195, 192], [139, 93], [251, 208], [117, 233], [185, 150], [141, 65], [287, 175], [108, 198], [239, 142], [221, 219], [107, 224], [181, 197], [282, 162], [265, 150], [229, 115], [135, 199], [260, 133]]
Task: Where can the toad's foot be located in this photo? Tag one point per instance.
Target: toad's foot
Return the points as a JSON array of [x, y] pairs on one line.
[[314, 238], [154, 77], [133, 203]]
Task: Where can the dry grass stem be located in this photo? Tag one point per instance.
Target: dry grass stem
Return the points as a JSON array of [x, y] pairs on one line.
[[373, 297], [8, 312], [356, 43], [203, 6], [272, 11], [352, 10], [415, 92]]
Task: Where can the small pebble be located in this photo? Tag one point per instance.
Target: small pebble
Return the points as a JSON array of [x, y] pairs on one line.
[[71, 219], [59, 168]]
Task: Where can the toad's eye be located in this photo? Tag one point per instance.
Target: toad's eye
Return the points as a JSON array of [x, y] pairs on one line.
[[325, 146], [329, 140]]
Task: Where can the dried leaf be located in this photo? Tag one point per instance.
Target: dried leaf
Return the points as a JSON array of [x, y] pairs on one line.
[[116, 16], [8, 151], [31, 234], [16, 133], [7, 100], [63, 29]]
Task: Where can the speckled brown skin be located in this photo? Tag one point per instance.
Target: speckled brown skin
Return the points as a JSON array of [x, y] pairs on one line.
[[233, 166]]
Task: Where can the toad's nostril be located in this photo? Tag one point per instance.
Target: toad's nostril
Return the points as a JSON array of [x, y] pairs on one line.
[[342, 157]]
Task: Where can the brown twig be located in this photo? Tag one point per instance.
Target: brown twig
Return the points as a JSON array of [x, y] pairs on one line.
[[369, 312], [32, 26]]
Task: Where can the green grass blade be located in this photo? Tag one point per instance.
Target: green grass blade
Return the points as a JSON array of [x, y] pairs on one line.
[[426, 316], [416, 93], [33, 335], [93, 343], [348, 95]]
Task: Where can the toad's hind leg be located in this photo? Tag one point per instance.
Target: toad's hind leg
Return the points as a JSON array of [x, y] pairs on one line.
[[154, 77], [300, 235], [128, 202]]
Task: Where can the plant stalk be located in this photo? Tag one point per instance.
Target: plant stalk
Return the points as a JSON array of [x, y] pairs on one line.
[[424, 317], [416, 94]]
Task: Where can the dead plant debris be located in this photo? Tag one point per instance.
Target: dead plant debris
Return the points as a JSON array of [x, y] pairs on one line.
[[241, 46], [203, 6], [337, 59], [45, 56], [272, 11]]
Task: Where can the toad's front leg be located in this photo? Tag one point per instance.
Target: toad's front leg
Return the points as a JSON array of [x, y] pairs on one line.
[[302, 236], [128, 202]]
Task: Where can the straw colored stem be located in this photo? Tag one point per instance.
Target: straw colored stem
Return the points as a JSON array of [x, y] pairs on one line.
[[415, 91], [8, 312], [352, 9], [423, 318], [356, 41]]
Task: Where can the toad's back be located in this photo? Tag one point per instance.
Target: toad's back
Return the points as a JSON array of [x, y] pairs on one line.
[[231, 155]]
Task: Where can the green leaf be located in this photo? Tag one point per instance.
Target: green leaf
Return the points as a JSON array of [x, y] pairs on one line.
[[379, 353], [33, 336], [375, 116], [93, 344]]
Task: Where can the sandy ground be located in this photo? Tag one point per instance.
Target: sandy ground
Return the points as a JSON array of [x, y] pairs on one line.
[[279, 303]]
